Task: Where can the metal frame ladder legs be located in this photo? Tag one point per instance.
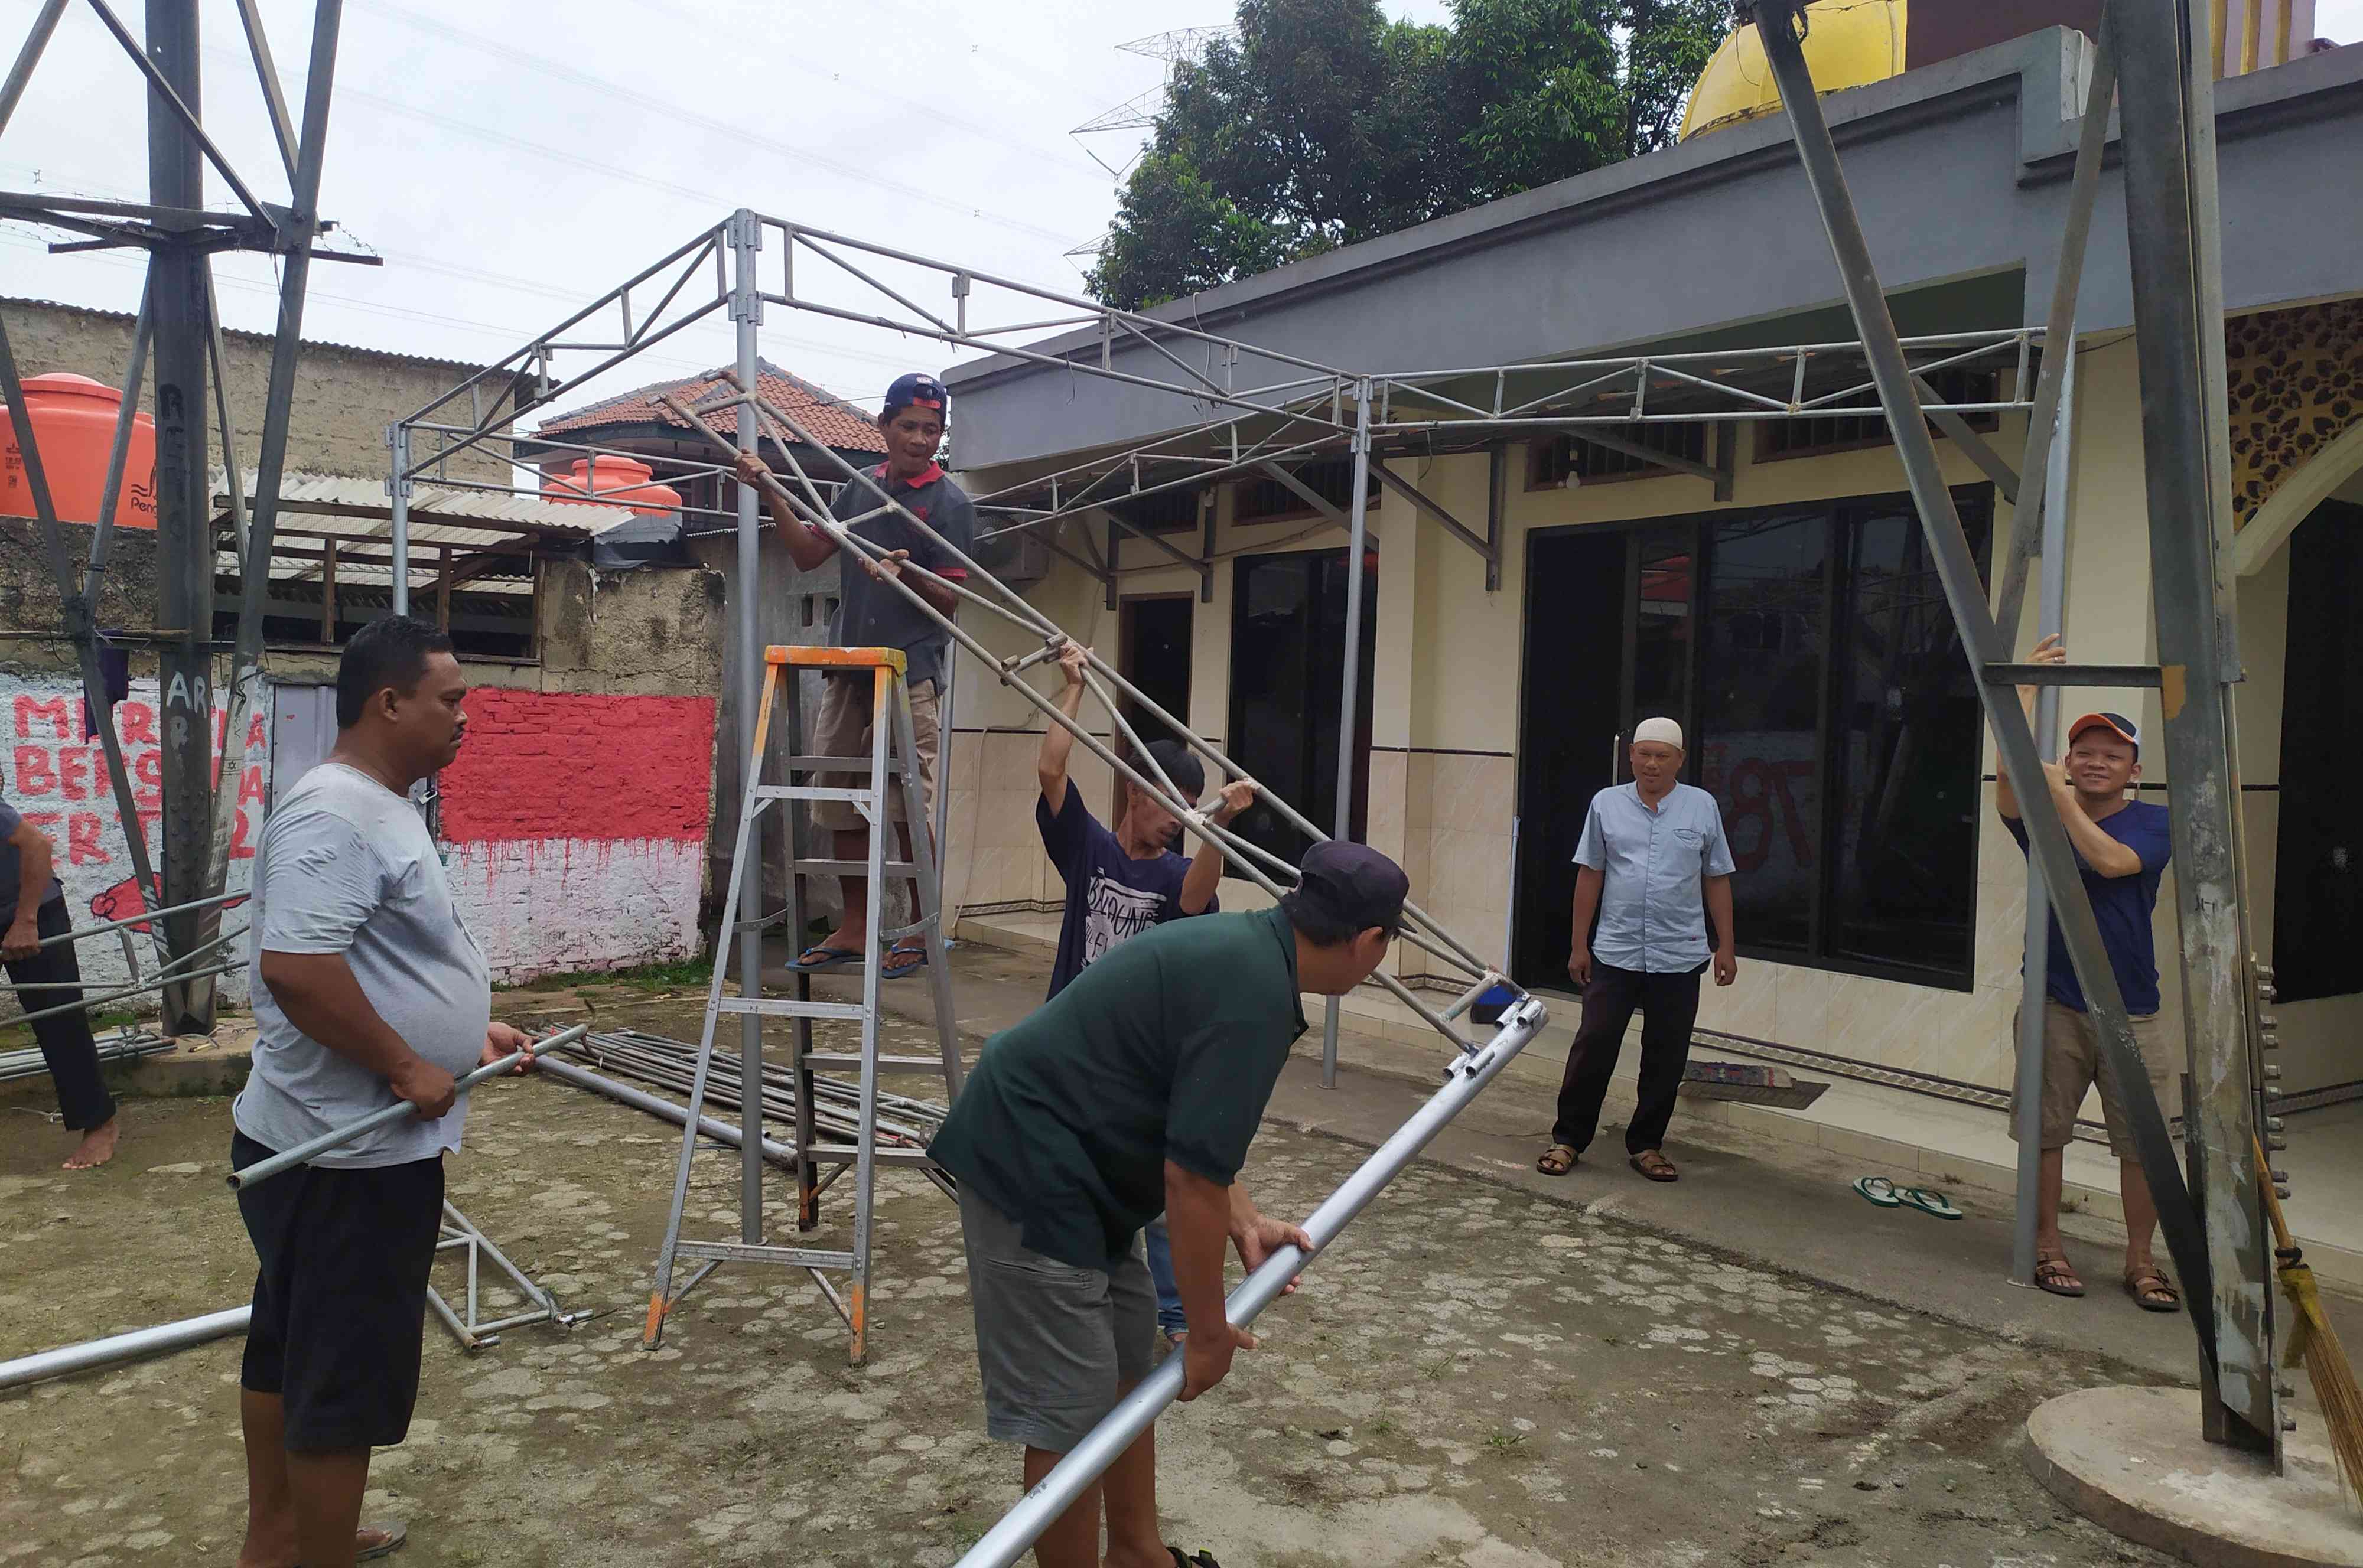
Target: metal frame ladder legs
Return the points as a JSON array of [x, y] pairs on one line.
[[893, 765]]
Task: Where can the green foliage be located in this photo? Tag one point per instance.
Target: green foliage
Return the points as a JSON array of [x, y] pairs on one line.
[[1325, 123]]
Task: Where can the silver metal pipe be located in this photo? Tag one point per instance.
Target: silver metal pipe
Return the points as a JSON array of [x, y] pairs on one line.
[[1138, 1411], [2050, 616], [776, 1154], [159, 983], [1350, 694], [141, 919], [336, 1138], [123, 1347]]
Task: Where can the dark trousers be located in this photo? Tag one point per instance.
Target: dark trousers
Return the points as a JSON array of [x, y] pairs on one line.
[[66, 1042], [1668, 1005]]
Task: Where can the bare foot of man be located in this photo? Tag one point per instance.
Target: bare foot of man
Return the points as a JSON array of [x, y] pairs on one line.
[[97, 1147]]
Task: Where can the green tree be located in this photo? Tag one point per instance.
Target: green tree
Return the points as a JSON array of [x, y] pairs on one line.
[[1324, 122]]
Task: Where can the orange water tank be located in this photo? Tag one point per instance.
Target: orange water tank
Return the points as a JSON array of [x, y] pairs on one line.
[[617, 482], [73, 426]]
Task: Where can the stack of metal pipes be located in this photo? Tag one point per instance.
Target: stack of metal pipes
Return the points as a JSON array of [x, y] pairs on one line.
[[671, 1065], [28, 1062]]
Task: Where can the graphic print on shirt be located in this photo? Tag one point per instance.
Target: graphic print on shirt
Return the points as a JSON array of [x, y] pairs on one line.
[[1113, 911]]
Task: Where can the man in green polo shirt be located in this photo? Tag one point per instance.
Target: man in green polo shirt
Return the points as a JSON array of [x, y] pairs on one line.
[[1137, 1090]]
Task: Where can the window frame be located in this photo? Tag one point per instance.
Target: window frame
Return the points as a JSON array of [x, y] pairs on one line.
[[1843, 513]]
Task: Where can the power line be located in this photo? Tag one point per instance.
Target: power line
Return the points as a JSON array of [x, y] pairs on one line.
[[616, 90]]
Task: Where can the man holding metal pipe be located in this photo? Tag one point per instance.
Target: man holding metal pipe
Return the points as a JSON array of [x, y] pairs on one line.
[[34, 902], [872, 614], [368, 992], [1137, 1090]]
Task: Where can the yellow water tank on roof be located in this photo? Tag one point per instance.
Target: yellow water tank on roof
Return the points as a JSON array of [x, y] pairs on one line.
[[1849, 43]]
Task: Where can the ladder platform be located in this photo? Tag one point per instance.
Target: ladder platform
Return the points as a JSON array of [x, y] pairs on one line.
[[756, 1252], [828, 764], [2140, 675], [788, 1007], [800, 656]]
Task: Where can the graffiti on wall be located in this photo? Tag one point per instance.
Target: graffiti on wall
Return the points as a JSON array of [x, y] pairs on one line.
[[57, 778]]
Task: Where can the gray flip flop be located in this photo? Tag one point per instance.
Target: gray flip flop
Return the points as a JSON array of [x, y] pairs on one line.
[[396, 1532]]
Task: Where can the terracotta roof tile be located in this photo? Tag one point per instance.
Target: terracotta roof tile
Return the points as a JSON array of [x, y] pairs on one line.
[[840, 424]]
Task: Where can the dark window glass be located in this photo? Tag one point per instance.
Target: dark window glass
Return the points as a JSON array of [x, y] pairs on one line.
[[1288, 621], [1557, 461], [1167, 512], [1904, 728], [1760, 714], [1842, 433], [2318, 861], [1662, 651], [1268, 500]]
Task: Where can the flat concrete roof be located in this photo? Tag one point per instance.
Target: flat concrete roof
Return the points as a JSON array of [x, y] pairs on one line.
[[1960, 173]]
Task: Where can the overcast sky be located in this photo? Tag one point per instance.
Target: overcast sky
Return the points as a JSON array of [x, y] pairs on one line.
[[508, 170]]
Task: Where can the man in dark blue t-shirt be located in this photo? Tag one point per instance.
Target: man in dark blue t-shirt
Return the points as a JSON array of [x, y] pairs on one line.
[[1120, 883], [2121, 845]]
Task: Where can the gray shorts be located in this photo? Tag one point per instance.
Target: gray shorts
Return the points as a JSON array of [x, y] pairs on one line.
[[1056, 1343]]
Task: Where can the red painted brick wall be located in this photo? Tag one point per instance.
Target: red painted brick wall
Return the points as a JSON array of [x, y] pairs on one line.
[[543, 765]]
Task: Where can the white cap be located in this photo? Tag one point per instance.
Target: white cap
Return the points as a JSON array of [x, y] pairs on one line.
[[1661, 730]]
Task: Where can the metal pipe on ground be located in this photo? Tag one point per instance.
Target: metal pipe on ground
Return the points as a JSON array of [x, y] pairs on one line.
[[122, 1347], [1041, 1507], [624, 1094]]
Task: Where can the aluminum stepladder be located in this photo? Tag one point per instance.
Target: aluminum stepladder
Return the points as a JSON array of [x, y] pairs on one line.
[[892, 763]]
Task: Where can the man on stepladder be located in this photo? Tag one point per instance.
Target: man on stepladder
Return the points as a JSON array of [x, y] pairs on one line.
[[1121, 882], [1653, 864], [2122, 846], [1137, 1091], [872, 614]]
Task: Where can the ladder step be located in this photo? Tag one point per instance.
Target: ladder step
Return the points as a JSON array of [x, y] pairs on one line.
[[831, 764], [849, 1059], [853, 868], [845, 1153], [787, 1006], [748, 1252], [2141, 675], [809, 793]]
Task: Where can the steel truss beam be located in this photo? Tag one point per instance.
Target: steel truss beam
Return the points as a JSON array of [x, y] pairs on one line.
[[2169, 185]]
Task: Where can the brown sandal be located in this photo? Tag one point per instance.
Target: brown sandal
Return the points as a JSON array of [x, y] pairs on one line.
[[2054, 1274], [1556, 1160], [1653, 1163], [2152, 1291]]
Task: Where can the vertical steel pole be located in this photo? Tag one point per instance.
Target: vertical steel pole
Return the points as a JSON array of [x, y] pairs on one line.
[[397, 506], [183, 524], [2168, 174], [2050, 609], [1350, 681], [747, 316], [1982, 644], [297, 229]]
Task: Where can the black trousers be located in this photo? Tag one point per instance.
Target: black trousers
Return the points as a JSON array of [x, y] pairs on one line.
[[65, 1041], [1669, 1005]]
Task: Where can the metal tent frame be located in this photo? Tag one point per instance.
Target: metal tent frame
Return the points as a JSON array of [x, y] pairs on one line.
[[178, 321]]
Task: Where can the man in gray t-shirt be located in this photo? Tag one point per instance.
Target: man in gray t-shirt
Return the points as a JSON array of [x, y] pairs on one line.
[[368, 992]]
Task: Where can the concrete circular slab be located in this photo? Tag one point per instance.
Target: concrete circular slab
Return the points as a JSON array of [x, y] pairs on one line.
[[2132, 1459]]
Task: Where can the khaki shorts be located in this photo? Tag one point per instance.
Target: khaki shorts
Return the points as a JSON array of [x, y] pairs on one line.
[[2072, 1063], [842, 729]]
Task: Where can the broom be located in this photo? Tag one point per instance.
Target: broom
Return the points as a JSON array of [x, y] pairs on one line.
[[2313, 1342]]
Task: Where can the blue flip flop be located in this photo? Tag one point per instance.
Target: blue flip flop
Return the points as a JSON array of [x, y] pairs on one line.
[[1928, 1200], [1878, 1189], [818, 956]]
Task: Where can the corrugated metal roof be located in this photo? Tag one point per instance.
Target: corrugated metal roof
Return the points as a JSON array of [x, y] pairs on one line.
[[439, 516]]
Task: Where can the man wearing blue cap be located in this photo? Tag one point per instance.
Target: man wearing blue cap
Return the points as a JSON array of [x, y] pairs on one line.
[[1137, 1090], [2121, 846], [871, 614]]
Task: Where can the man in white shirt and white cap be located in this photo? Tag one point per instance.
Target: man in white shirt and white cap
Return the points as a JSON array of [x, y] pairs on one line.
[[1652, 863]]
